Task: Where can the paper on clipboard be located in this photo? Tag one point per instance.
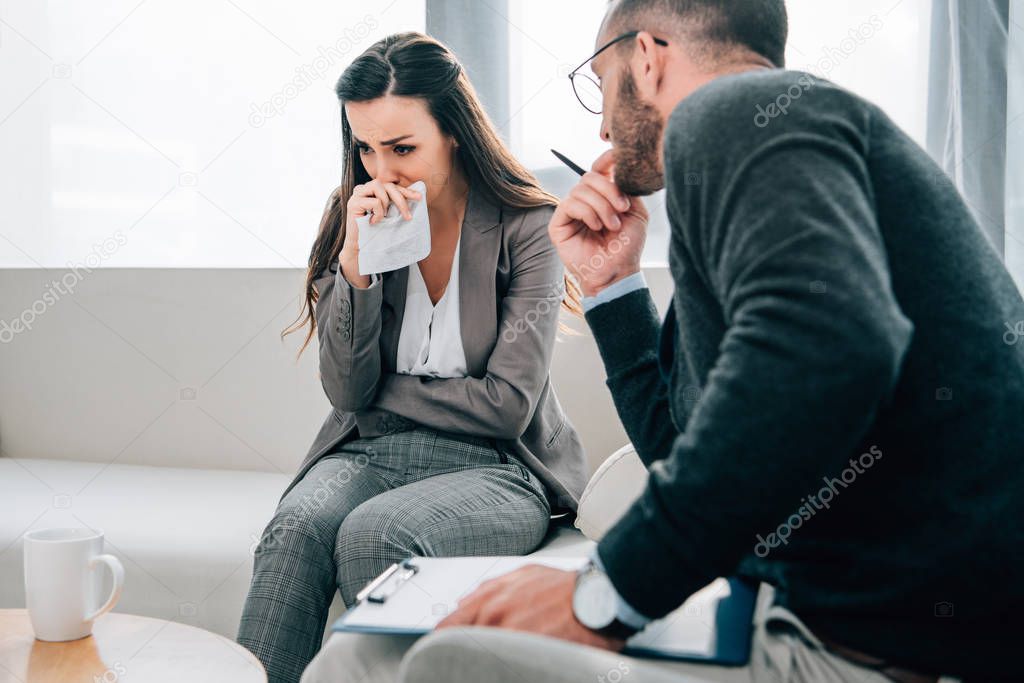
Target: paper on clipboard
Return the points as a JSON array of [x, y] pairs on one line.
[[715, 624]]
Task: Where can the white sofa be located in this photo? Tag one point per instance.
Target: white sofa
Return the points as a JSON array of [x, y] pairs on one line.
[[185, 564], [174, 426]]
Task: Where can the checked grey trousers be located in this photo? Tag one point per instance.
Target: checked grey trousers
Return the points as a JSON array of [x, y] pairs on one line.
[[371, 503]]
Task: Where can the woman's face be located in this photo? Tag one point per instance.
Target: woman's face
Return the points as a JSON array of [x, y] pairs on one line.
[[398, 141]]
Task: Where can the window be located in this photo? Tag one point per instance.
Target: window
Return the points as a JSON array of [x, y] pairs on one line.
[[141, 134], [174, 135]]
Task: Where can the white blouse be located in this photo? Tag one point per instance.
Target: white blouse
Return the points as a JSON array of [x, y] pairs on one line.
[[430, 342]]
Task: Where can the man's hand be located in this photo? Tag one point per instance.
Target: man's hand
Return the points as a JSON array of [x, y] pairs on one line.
[[599, 232], [534, 598]]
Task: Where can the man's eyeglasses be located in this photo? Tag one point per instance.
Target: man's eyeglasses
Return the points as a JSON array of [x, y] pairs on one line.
[[587, 90]]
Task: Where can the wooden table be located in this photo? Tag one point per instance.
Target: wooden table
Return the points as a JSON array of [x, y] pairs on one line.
[[123, 648]]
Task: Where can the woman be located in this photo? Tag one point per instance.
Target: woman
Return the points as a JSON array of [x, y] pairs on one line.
[[446, 437]]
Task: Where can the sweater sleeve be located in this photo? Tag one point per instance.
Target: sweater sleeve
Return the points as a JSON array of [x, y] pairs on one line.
[[630, 356]]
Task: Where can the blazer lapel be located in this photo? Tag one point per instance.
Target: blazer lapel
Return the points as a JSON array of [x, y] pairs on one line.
[[478, 263], [395, 284]]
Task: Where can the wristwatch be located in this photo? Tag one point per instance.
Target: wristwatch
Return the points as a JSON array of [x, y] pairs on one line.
[[595, 603]]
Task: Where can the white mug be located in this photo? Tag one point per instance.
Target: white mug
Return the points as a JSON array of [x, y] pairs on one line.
[[62, 586]]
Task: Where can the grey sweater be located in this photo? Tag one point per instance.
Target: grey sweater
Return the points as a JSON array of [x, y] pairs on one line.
[[831, 405]]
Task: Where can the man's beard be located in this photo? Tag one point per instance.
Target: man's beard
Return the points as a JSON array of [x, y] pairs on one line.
[[636, 129]]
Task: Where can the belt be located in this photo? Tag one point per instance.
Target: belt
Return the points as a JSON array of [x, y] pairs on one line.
[[896, 673]]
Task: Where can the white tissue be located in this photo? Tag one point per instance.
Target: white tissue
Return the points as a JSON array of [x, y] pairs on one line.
[[394, 242]]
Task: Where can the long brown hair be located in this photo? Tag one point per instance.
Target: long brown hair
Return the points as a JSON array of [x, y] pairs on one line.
[[415, 65]]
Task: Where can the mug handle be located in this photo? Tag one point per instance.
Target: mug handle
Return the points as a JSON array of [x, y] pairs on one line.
[[117, 570]]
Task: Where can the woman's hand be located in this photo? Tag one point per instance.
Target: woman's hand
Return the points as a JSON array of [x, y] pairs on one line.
[[373, 198]]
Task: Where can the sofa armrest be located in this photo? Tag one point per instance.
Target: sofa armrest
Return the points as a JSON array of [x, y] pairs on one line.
[[610, 492]]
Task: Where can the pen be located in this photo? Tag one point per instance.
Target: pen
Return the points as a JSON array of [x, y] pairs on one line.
[[569, 162]]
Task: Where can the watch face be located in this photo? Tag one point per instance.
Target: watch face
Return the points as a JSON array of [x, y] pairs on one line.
[[594, 601]]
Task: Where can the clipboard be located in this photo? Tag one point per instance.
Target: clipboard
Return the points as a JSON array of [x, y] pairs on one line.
[[714, 625]]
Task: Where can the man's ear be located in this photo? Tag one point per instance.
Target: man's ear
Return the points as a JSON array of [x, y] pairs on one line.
[[648, 66]]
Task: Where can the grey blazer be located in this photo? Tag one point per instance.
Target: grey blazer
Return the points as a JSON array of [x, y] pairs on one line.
[[510, 290]]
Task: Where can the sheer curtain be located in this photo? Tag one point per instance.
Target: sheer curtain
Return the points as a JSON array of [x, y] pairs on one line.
[[1015, 146], [976, 114]]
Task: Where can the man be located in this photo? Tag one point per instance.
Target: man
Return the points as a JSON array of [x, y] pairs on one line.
[[829, 406]]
